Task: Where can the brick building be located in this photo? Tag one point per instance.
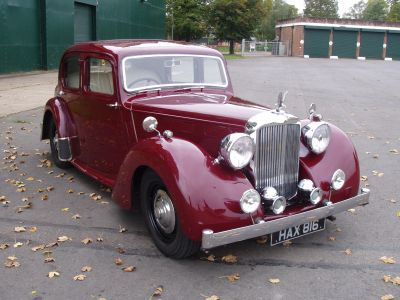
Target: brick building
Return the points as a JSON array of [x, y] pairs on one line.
[[340, 38]]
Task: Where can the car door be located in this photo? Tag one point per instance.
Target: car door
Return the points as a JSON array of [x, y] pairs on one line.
[[103, 141]]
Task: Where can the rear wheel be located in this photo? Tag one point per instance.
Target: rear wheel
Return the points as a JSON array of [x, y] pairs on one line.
[[162, 220], [54, 146]]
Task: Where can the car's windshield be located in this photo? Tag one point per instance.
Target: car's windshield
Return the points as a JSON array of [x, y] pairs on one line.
[[158, 71]]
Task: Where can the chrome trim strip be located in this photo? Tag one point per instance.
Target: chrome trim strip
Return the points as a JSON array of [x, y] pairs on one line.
[[211, 239]]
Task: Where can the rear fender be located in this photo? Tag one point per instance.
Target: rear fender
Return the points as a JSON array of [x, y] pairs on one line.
[[205, 194], [66, 128]]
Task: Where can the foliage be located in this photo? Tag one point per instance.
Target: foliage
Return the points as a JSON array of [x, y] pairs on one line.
[[356, 11], [188, 17], [376, 10], [234, 20], [321, 8], [280, 10], [394, 13]]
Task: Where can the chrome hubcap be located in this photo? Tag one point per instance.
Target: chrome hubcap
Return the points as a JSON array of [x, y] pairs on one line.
[[164, 211], [55, 140]]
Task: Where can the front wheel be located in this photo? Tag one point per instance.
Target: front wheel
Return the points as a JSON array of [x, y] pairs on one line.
[[54, 146], [162, 220]]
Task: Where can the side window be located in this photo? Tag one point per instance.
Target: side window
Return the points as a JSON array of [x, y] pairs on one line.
[[100, 76], [71, 72]]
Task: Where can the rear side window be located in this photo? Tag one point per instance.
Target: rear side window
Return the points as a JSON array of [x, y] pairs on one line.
[[100, 76], [71, 72]]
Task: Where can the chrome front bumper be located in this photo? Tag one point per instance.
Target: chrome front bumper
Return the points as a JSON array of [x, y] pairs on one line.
[[211, 239]]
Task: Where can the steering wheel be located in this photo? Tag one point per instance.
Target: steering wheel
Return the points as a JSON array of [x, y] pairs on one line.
[[142, 79]]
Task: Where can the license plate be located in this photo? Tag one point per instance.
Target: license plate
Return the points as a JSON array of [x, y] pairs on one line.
[[297, 231]]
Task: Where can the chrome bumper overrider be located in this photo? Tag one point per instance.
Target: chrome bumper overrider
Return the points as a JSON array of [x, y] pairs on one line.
[[211, 239]]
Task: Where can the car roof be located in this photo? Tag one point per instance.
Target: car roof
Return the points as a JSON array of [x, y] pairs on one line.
[[122, 47]]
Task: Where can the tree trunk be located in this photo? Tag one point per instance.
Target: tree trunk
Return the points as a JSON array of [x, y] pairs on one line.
[[231, 47]]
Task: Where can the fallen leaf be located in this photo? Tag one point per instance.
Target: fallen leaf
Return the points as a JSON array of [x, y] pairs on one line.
[[80, 193], [12, 264], [87, 241], [351, 210], [30, 179], [213, 297], [364, 178], [3, 198], [211, 257], [63, 238], [79, 277], [45, 197], [287, 243], [128, 269], [398, 214], [39, 190], [230, 258], [41, 247], [348, 251], [386, 260], [386, 278], [387, 297], [159, 290], [19, 244], [95, 198], [47, 252], [28, 242], [76, 216], [92, 195], [331, 238], [49, 188], [70, 191], [396, 281], [380, 174], [120, 250], [12, 257], [392, 201], [24, 199], [49, 259], [20, 228], [338, 229], [370, 137], [118, 261], [20, 210], [122, 229], [52, 274], [274, 280], [29, 205], [52, 244], [99, 239], [33, 229], [65, 209], [104, 202], [4, 246], [394, 151], [87, 268], [234, 277], [375, 156]]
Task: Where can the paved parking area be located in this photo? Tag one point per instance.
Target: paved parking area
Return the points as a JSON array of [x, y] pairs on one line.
[[360, 97]]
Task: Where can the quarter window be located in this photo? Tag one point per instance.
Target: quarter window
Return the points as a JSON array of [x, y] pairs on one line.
[[71, 72], [100, 76]]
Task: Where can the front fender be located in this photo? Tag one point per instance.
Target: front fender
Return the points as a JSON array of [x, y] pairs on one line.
[[205, 194], [319, 168]]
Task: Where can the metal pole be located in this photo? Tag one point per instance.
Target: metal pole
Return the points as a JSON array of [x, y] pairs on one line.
[[172, 19]]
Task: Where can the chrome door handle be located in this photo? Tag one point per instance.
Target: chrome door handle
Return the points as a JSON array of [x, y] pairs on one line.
[[115, 105]]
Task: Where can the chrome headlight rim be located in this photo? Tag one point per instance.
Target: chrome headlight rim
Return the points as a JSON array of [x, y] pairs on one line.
[[309, 134], [245, 204], [338, 179], [227, 146]]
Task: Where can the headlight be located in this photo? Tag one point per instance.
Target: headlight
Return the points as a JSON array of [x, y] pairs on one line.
[[237, 149], [338, 179], [250, 201], [317, 136]]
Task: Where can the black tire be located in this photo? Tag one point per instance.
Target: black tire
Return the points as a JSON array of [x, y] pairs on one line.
[[170, 239], [54, 147]]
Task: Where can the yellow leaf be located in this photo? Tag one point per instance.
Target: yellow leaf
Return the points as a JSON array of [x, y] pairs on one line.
[[79, 277], [158, 291], [33, 292], [12, 257], [76, 216], [20, 228], [386, 278], [47, 252], [386, 260], [39, 190], [30, 179], [45, 197], [49, 259], [230, 258], [70, 191], [65, 209], [33, 229], [348, 251], [234, 277], [41, 247], [88, 269], [63, 238], [49, 188], [19, 244], [104, 202], [52, 244], [128, 269], [387, 297], [52, 274], [4, 246], [287, 243], [118, 261], [274, 280], [394, 151], [80, 193], [213, 297], [338, 229], [395, 281], [351, 210], [87, 241], [380, 174], [398, 214], [364, 178], [375, 156], [331, 238]]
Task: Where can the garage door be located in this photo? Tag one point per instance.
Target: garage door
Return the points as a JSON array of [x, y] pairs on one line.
[[372, 44], [316, 42], [393, 46], [83, 23], [345, 44]]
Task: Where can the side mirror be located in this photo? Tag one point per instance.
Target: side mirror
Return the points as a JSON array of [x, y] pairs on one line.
[[150, 124]]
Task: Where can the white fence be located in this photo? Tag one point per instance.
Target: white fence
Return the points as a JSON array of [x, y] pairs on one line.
[[253, 48]]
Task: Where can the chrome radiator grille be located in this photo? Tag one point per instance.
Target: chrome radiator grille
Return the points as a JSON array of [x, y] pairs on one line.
[[277, 158]]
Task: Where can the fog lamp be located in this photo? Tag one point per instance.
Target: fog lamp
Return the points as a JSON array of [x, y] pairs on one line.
[[250, 201], [307, 191], [316, 196], [276, 203], [338, 179]]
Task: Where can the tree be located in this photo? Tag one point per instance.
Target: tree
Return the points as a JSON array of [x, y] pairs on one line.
[[356, 11], [280, 10], [234, 20], [376, 10], [321, 8], [394, 13], [188, 18]]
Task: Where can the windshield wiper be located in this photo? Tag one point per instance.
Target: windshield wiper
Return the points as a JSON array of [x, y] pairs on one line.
[[189, 88], [145, 91]]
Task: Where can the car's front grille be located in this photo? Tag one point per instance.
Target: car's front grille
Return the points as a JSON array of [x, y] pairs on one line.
[[276, 162]]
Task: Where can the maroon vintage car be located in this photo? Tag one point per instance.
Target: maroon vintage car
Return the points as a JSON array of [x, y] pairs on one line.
[[157, 121]]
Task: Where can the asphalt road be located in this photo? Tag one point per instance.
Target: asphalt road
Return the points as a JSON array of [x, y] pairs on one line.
[[361, 97]]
